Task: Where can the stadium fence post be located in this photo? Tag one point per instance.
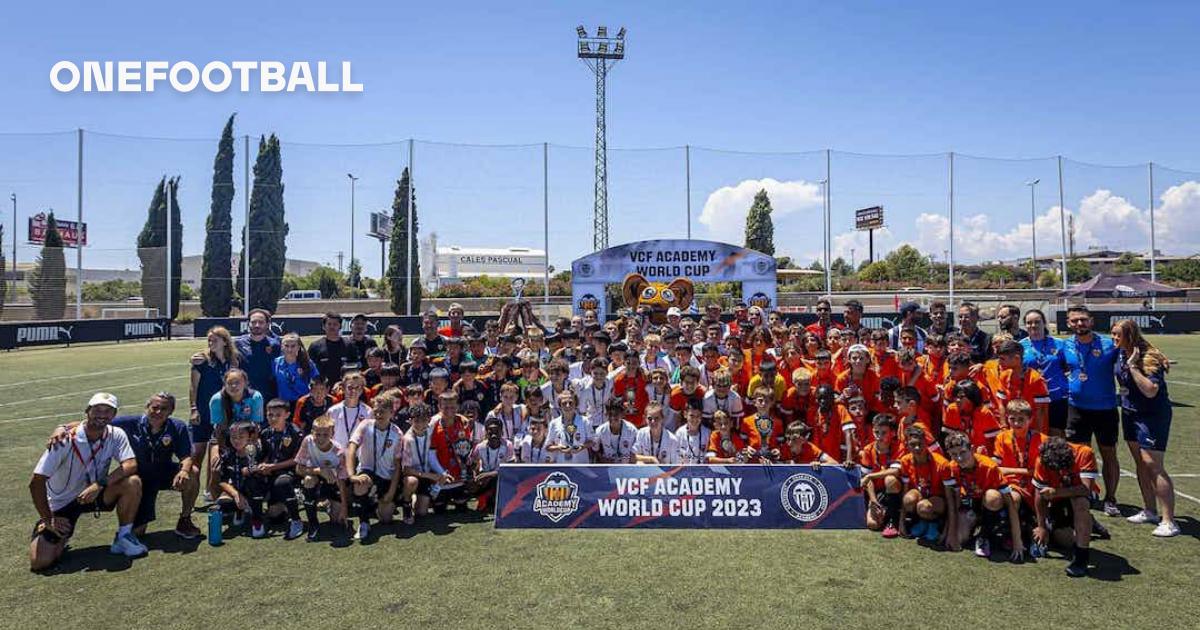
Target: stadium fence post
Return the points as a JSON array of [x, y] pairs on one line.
[[80, 232], [1153, 254], [246, 228], [546, 220], [950, 298], [412, 180]]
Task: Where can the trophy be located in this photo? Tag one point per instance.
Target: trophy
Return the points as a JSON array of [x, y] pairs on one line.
[[462, 451], [763, 425], [570, 429]]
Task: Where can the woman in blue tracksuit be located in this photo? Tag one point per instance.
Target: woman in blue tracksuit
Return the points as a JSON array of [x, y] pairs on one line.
[[1146, 422], [1046, 355]]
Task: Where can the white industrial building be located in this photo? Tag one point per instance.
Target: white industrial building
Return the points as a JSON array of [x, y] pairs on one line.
[[452, 264]]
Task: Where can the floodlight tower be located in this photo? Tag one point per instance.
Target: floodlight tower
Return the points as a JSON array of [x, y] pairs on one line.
[[601, 53]]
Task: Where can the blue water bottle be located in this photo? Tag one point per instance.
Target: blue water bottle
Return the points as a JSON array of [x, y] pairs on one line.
[[215, 524]]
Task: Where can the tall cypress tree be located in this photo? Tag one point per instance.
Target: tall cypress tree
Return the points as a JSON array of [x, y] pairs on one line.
[[268, 229], [48, 284], [152, 249], [216, 285], [398, 273], [760, 232]]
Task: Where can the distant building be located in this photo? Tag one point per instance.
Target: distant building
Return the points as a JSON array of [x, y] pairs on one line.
[[442, 265], [192, 264], [1098, 259]]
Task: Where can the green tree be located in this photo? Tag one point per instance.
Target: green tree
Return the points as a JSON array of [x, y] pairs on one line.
[[48, 284], [906, 264], [400, 279], [111, 290], [785, 262], [1049, 279], [998, 274], [354, 277], [840, 267], [1078, 270], [760, 232], [1129, 263], [877, 271], [152, 249], [216, 285], [1187, 270], [268, 229]]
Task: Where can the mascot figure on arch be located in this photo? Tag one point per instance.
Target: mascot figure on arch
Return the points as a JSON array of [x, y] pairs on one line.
[[659, 296]]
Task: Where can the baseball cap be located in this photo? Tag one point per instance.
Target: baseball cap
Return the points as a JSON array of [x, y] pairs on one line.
[[419, 344], [439, 373], [674, 312], [103, 398], [910, 307]]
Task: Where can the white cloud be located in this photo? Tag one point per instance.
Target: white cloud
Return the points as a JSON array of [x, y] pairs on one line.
[[1102, 219], [725, 209]]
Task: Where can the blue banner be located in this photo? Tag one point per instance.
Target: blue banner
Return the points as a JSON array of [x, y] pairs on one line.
[[747, 496]]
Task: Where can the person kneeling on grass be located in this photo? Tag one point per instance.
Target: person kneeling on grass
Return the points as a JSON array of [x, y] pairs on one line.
[[280, 442], [423, 473], [73, 478], [1062, 500], [157, 440], [321, 464], [372, 459], [879, 462], [242, 491], [725, 446], [983, 501], [485, 462], [928, 488]]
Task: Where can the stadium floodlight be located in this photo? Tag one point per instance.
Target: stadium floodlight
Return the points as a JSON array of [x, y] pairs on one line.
[[600, 58]]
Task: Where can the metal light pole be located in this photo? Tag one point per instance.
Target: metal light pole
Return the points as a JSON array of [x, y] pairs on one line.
[[14, 240], [246, 228], [167, 292], [600, 58], [1032, 184], [687, 170], [1062, 222], [353, 180], [825, 235], [950, 255], [79, 233], [1153, 253]]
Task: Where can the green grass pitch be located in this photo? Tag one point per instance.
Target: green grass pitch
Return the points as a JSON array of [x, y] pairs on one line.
[[458, 570]]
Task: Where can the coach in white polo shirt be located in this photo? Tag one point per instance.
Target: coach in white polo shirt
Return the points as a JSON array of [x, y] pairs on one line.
[[72, 478]]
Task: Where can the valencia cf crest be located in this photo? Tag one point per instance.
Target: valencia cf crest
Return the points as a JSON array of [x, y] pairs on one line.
[[760, 300], [166, 441], [287, 441], [804, 497]]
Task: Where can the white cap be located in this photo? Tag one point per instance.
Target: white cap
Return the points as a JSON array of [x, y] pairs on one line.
[[103, 398], [674, 312]]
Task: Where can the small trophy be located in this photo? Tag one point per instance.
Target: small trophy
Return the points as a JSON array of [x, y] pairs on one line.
[[763, 425]]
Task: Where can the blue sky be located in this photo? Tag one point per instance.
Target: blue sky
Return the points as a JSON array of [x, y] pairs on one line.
[[1106, 83]]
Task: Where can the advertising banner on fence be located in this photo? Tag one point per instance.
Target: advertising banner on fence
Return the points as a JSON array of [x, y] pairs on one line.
[[678, 497], [308, 325], [1151, 322], [80, 331], [71, 232]]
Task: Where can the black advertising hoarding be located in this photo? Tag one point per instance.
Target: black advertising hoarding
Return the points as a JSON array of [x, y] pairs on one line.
[[868, 218], [1151, 322], [67, 332], [310, 325]]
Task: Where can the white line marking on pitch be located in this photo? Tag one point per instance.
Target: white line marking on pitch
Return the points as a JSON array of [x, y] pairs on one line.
[[1126, 473], [92, 391], [71, 414], [1175, 382], [60, 378]]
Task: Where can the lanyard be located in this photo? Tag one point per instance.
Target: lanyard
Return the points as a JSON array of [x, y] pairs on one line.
[[348, 426], [155, 442], [619, 434], [375, 448], [536, 456], [698, 449], [603, 394], [662, 434], [491, 463], [91, 473], [509, 422], [422, 452], [1083, 355]]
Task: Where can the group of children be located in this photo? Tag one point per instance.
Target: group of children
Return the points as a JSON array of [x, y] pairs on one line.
[[952, 450]]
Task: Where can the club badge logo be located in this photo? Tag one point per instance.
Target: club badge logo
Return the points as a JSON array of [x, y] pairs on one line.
[[557, 497], [588, 302], [760, 300], [804, 497]]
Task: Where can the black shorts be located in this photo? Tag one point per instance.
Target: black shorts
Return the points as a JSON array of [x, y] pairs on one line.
[[1082, 424], [424, 486], [379, 486], [152, 484], [1058, 414], [1061, 513], [321, 492], [1150, 433], [72, 512]]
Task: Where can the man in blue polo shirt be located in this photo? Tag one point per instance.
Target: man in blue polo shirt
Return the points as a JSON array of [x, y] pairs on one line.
[[162, 446], [1092, 397], [257, 350]]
